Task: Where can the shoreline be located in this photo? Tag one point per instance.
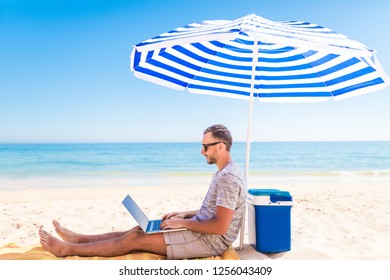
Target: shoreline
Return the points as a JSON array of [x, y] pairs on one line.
[[342, 218]]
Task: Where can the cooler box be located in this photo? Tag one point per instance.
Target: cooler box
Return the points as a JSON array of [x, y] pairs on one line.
[[269, 220]]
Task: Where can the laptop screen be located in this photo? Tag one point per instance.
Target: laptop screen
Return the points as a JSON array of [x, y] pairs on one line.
[[136, 212]]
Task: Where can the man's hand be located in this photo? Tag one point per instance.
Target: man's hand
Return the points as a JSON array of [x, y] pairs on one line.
[[179, 215], [173, 222], [177, 219]]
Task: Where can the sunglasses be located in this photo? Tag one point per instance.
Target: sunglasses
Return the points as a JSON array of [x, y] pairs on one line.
[[205, 146]]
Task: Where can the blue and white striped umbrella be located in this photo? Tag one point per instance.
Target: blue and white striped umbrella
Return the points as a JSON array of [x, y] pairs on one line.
[[283, 61], [253, 57]]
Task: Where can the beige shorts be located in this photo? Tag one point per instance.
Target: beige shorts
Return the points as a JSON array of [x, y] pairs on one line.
[[186, 245]]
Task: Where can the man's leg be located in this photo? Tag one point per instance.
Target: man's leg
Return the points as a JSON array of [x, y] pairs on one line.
[[73, 237], [133, 240]]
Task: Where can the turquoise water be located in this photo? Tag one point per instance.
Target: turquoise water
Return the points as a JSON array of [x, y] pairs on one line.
[[149, 159]]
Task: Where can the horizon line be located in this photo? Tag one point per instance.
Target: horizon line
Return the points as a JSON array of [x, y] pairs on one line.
[[177, 142]]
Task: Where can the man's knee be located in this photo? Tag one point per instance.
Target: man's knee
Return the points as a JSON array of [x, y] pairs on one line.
[[136, 234]]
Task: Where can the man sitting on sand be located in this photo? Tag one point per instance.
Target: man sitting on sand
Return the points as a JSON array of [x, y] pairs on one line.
[[211, 229]]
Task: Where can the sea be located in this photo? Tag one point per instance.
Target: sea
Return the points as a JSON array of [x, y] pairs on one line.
[[21, 161]]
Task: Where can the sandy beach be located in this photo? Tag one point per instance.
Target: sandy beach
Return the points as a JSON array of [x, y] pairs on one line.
[[334, 217]]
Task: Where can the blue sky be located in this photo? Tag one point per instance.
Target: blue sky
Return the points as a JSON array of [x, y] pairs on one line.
[[65, 77]]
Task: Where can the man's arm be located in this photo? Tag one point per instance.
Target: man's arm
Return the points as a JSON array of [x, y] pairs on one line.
[[217, 225]]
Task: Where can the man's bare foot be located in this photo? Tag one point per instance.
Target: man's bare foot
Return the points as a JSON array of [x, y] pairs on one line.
[[65, 234], [52, 244]]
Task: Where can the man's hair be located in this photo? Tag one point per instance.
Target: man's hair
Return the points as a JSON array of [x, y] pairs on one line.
[[220, 132]]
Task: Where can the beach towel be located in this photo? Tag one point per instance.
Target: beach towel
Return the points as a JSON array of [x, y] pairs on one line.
[[12, 251]]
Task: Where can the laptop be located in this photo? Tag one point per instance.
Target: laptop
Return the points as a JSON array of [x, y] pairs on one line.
[[148, 226]]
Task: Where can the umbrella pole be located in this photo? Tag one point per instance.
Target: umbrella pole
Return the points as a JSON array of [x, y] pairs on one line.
[[249, 134]]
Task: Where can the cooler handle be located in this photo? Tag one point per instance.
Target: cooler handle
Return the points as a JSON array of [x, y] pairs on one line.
[[275, 198]]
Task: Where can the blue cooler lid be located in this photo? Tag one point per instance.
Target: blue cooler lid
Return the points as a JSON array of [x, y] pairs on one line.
[[274, 194], [268, 192]]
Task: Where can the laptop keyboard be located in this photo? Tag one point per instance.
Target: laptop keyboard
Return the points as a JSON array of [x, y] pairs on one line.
[[155, 225]]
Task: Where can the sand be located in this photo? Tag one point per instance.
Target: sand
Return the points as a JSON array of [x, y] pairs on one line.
[[333, 218]]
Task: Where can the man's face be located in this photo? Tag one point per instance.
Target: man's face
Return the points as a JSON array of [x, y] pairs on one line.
[[211, 151]]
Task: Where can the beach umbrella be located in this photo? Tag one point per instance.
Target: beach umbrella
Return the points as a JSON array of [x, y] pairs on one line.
[[255, 58]]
